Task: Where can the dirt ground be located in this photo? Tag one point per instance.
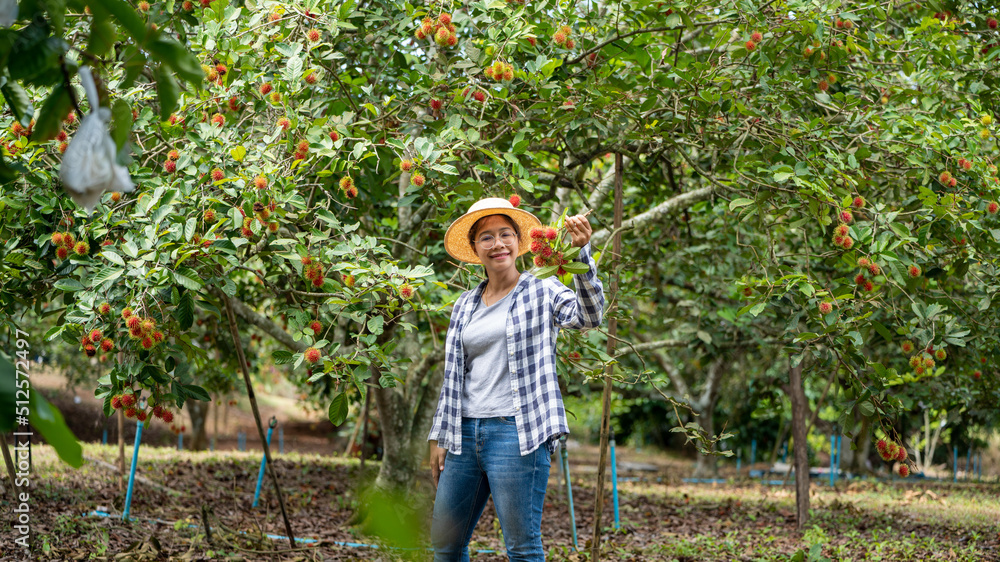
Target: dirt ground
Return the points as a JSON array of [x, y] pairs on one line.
[[197, 506]]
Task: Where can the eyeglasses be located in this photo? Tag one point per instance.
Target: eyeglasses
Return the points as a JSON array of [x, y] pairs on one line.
[[488, 241]]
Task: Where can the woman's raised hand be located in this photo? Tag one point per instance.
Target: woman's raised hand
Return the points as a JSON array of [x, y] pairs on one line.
[[579, 229]]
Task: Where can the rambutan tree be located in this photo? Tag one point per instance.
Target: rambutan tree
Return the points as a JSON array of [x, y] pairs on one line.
[[310, 178]]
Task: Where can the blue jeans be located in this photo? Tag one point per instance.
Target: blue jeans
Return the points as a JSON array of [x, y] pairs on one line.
[[490, 462]]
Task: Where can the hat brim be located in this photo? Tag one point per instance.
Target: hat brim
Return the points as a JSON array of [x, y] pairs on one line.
[[456, 240]]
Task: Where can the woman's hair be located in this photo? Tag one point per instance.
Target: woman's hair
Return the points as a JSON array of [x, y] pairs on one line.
[[475, 227]]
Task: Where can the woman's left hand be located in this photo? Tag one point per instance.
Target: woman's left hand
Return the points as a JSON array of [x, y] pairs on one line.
[[579, 229]]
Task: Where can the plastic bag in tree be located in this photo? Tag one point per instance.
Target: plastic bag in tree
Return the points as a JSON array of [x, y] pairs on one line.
[[88, 166], [8, 12]]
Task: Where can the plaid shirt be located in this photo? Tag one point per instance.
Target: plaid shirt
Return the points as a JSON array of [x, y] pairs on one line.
[[538, 309]]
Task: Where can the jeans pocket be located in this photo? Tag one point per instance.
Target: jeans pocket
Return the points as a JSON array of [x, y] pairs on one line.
[[509, 420]]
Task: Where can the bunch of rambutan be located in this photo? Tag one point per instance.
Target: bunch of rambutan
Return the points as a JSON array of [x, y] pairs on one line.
[[94, 340], [892, 451], [142, 330], [842, 237], [313, 270], [500, 71], [441, 30], [66, 243], [542, 240]]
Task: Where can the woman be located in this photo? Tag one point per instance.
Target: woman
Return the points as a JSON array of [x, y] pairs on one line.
[[500, 411]]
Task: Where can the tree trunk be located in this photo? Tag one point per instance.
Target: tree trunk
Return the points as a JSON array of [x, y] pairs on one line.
[[800, 411], [707, 466], [215, 424], [854, 461], [405, 414], [782, 434], [400, 459], [198, 411]]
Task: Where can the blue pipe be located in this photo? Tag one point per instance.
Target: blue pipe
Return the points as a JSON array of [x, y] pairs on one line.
[[614, 481], [784, 452], [569, 489], [840, 449], [739, 460], [263, 463], [833, 457], [704, 480], [104, 440], [180, 441], [753, 452], [281, 441], [241, 441], [131, 474]]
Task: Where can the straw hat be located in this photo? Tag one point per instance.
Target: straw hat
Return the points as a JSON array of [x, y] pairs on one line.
[[456, 240]]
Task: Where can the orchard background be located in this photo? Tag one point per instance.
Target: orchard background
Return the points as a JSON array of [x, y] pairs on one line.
[[810, 199]]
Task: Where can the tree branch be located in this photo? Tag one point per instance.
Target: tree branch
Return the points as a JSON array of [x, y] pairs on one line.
[[267, 325], [657, 213]]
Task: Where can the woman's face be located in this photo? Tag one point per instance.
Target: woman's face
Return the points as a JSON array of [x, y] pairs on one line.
[[501, 256]]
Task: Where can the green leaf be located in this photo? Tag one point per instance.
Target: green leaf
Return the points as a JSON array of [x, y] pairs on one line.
[[547, 271], [338, 409], [196, 392], [184, 313], [375, 324], [184, 63], [8, 390], [883, 331], [740, 202], [106, 274], [187, 278], [282, 357], [189, 228], [121, 122], [68, 285], [126, 16], [17, 100], [167, 92], [103, 34], [47, 419], [113, 257], [131, 249], [34, 56], [576, 267], [51, 116], [866, 409], [43, 416]]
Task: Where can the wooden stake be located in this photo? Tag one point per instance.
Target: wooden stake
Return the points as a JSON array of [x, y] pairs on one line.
[[121, 452], [234, 331], [121, 439], [595, 544], [354, 437], [364, 428], [215, 424], [10, 467]]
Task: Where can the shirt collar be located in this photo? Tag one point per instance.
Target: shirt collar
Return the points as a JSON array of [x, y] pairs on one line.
[[477, 293]]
